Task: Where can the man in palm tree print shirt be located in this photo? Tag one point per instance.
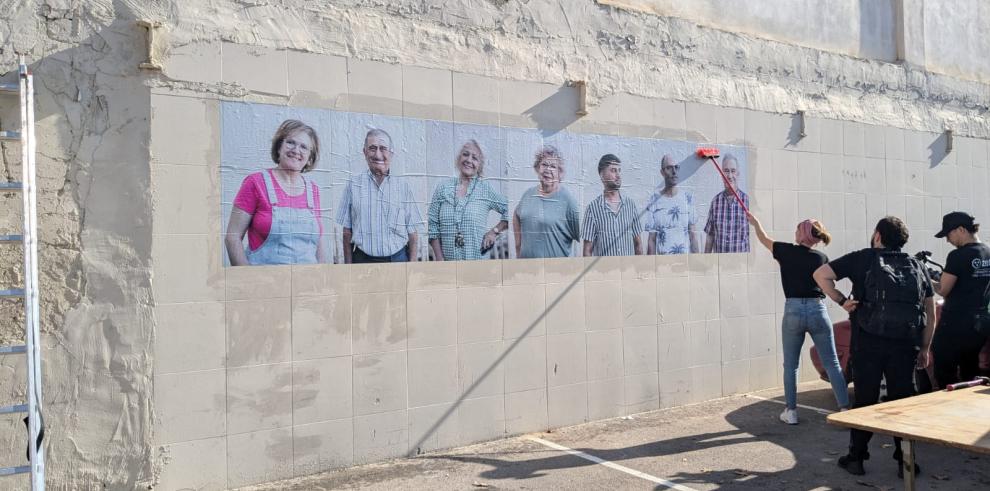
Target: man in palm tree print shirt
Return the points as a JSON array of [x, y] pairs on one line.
[[670, 215]]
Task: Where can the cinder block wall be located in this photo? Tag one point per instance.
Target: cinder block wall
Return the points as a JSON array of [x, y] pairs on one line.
[[263, 373]]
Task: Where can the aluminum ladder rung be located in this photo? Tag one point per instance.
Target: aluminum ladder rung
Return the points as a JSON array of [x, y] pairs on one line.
[[16, 408], [29, 292], [20, 469]]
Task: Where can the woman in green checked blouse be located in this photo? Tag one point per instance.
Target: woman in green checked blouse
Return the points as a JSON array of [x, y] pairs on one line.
[[458, 214]]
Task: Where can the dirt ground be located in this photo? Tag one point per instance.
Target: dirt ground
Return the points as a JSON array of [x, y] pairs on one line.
[[731, 443]]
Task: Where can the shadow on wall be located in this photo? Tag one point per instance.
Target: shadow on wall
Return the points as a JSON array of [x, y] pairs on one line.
[[794, 135], [415, 448], [552, 115], [938, 150], [556, 112], [689, 165]]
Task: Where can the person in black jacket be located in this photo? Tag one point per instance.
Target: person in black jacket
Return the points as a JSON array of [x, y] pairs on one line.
[[889, 341], [956, 347]]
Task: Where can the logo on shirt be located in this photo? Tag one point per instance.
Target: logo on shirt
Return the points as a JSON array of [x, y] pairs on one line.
[[981, 263]]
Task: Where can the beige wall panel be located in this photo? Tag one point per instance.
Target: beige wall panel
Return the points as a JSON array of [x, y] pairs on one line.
[[191, 336]]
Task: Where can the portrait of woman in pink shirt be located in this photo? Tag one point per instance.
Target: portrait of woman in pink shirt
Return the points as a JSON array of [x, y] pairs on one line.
[[278, 208]]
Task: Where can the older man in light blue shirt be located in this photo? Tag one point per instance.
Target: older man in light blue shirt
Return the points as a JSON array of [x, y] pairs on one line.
[[377, 211]]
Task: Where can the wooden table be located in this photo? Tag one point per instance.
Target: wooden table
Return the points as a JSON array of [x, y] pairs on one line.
[[959, 419]]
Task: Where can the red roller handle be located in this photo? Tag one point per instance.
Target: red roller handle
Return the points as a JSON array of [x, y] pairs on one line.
[[971, 383]]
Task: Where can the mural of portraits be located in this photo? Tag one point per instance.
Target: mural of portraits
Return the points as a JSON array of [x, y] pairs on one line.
[[303, 186]]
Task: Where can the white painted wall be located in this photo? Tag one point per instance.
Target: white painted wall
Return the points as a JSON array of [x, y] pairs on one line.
[[860, 28], [957, 38], [943, 36]]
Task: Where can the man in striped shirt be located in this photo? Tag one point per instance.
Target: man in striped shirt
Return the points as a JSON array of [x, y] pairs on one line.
[[377, 211], [611, 221], [727, 228]]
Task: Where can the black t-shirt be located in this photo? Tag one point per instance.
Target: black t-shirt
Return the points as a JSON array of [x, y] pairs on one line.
[[797, 263], [855, 266], [970, 264]]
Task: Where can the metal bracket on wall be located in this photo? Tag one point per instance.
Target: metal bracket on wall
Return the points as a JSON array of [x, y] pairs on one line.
[[801, 125], [582, 87], [948, 140], [152, 62]]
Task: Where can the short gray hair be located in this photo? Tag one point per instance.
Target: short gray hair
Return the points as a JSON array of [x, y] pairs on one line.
[[378, 132]]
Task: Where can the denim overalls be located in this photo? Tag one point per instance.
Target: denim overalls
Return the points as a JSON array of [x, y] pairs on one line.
[[295, 232]]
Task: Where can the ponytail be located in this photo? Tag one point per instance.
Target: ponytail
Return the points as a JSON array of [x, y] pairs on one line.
[[818, 231]]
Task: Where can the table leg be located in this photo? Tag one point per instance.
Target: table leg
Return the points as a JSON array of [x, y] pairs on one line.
[[908, 463]]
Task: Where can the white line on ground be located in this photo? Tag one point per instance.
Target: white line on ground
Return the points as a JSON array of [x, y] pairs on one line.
[[612, 465], [810, 408]]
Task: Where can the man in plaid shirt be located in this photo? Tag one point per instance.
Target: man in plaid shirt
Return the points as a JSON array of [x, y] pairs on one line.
[[726, 228]]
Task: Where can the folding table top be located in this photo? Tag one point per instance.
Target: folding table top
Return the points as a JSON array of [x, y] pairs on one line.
[[960, 418]]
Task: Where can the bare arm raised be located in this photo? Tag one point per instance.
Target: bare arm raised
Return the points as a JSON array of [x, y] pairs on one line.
[[761, 234]]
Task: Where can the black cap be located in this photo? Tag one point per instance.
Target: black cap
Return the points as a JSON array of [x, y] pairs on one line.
[[954, 220]]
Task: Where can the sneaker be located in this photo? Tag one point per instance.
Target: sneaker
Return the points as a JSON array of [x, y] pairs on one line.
[[789, 416], [852, 466]]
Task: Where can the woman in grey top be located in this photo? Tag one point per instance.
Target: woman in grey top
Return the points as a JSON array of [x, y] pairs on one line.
[[546, 222]]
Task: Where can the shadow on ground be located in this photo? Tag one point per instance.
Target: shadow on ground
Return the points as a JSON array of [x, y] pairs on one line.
[[744, 456], [731, 443]]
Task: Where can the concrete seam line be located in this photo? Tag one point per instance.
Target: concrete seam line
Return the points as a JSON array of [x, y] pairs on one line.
[[803, 406], [612, 465]]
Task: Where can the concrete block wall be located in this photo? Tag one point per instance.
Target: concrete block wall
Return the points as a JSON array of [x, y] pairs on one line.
[[263, 373]]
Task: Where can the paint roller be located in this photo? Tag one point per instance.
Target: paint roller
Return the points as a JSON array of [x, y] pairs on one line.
[[712, 154]]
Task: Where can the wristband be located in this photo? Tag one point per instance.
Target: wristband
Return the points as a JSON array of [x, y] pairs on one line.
[[843, 301]]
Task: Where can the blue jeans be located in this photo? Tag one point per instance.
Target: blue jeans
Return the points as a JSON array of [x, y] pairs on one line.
[[808, 315]]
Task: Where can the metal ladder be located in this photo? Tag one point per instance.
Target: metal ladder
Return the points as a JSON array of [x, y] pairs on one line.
[[29, 240]]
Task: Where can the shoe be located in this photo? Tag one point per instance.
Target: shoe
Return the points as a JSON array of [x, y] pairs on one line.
[[852, 466], [789, 416], [899, 458], [900, 470]]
